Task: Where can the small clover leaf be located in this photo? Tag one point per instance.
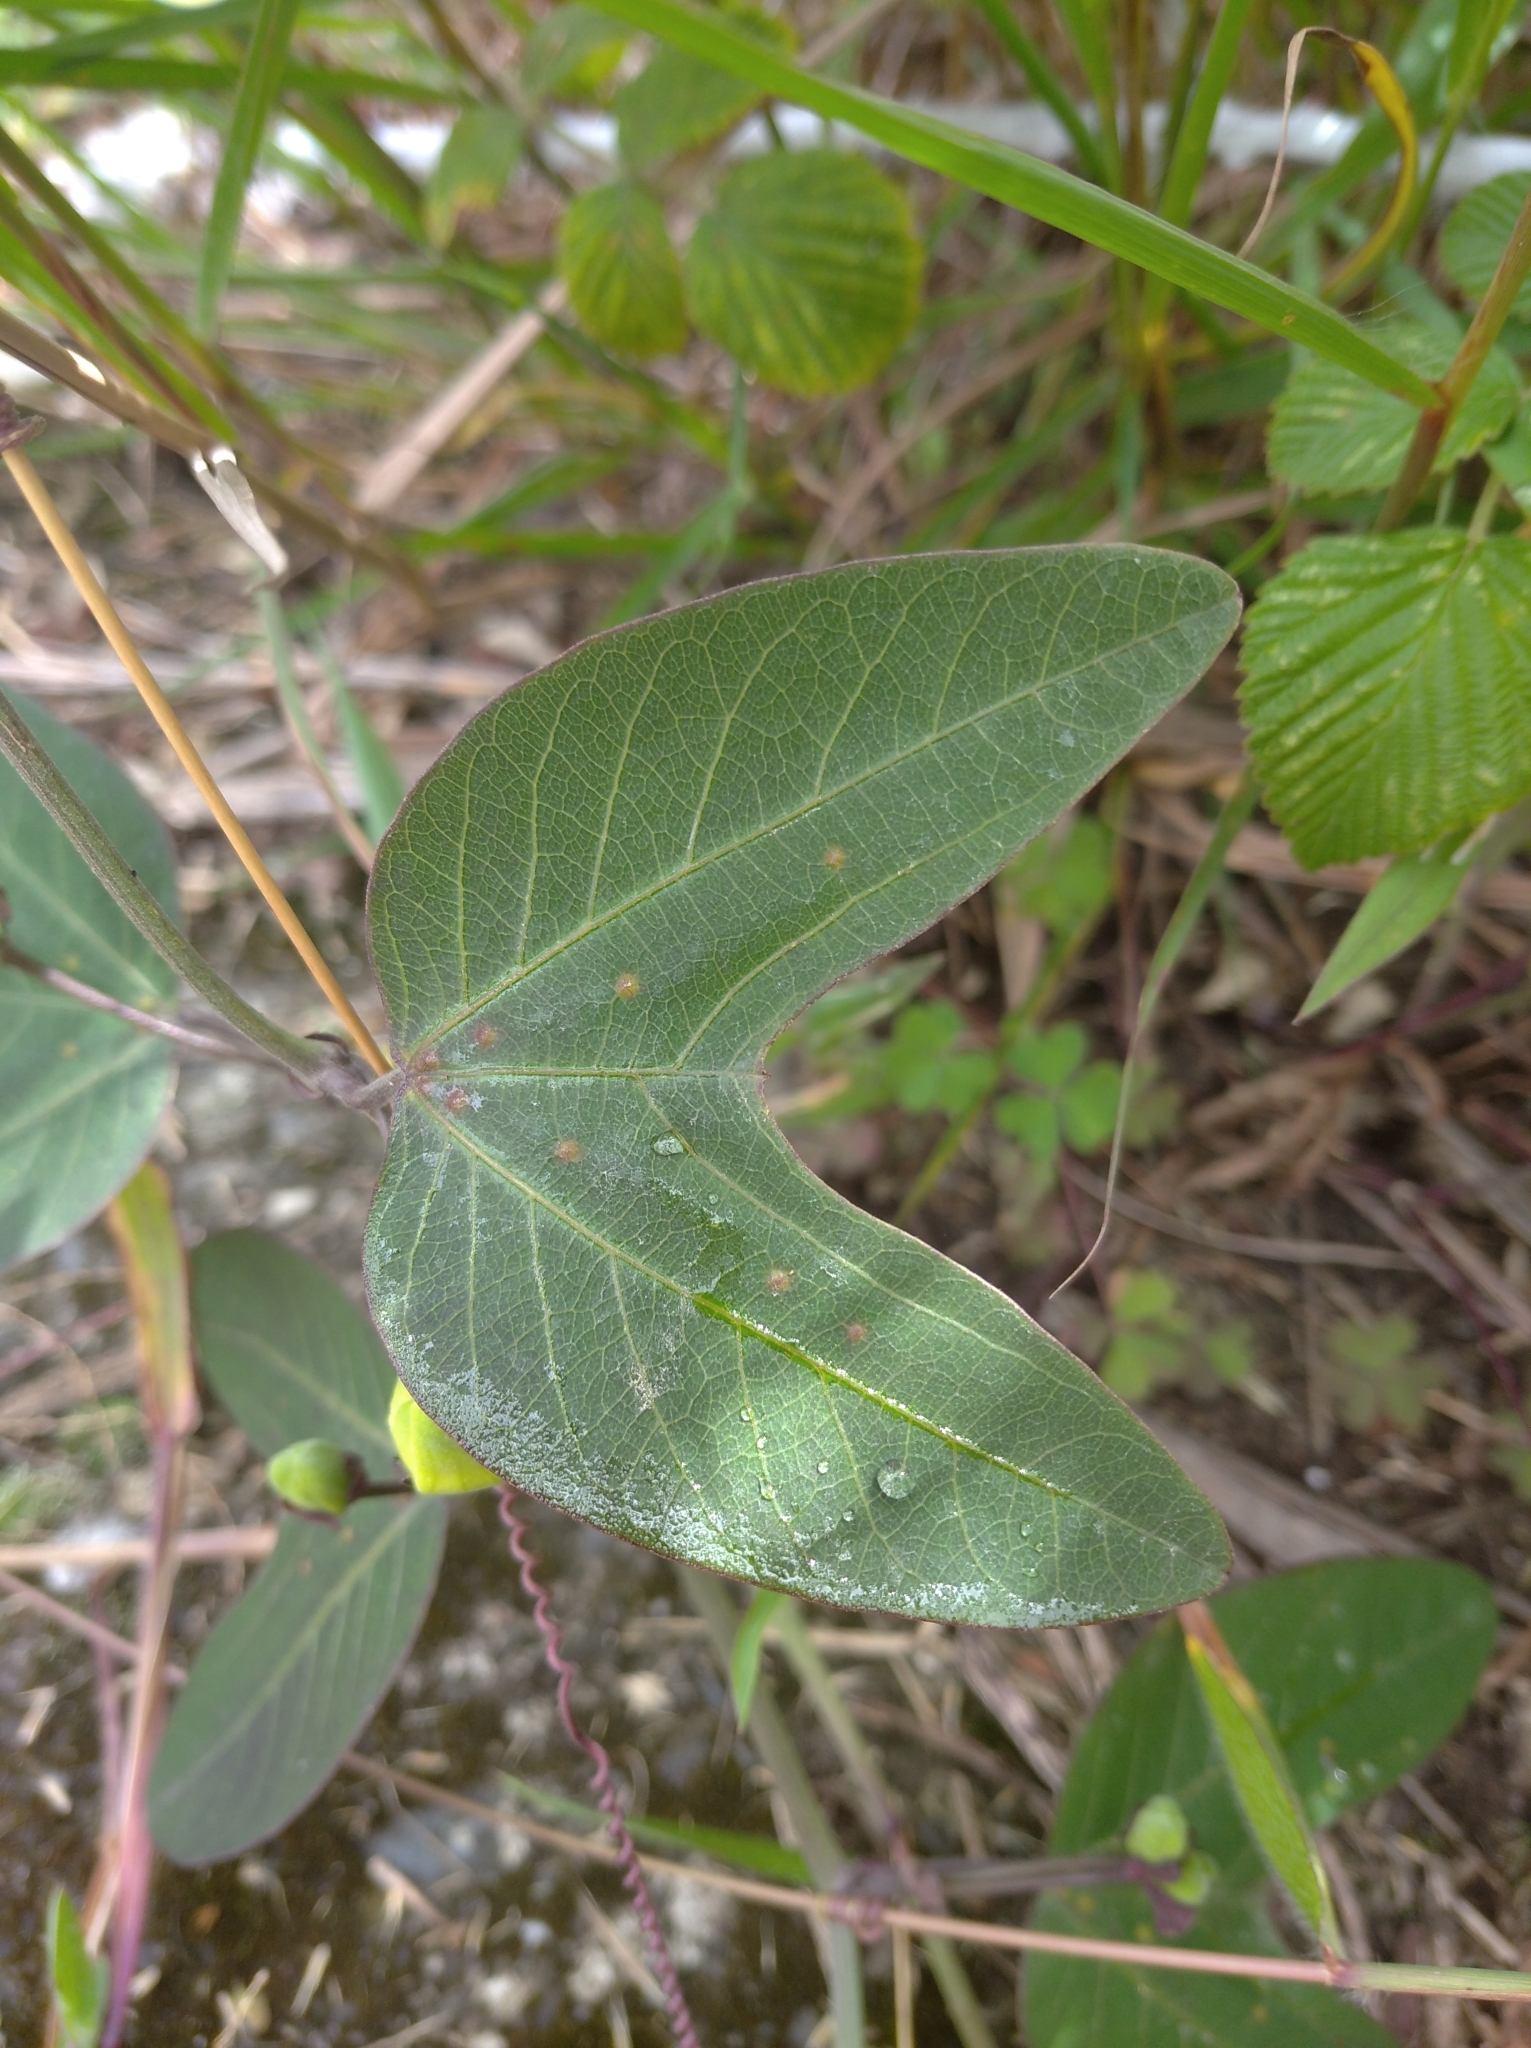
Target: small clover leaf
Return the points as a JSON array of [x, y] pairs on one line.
[[1378, 1379], [1089, 1106], [1064, 879], [1033, 1121]]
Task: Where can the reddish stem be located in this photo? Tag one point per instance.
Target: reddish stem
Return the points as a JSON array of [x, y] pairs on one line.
[[682, 2026]]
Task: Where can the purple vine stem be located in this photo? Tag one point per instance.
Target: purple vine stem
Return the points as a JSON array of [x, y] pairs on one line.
[[682, 2026]]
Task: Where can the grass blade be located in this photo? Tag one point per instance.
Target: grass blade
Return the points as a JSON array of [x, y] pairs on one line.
[[265, 60], [1042, 190]]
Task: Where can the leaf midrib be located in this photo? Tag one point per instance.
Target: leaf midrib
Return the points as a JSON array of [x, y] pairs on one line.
[[824, 1367], [454, 1020], [244, 1336], [301, 1645]]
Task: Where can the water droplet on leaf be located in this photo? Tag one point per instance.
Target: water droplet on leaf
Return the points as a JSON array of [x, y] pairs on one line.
[[669, 1146], [894, 1481]]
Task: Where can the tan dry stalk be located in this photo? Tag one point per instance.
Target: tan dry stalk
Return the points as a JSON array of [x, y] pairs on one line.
[[69, 552]]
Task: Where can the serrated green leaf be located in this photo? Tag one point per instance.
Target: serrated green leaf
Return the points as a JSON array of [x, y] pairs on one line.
[[473, 169], [807, 270], [75, 1976], [291, 1674], [614, 253], [593, 1258], [1474, 238], [1363, 1667], [1402, 904], [1510, 459], [287, 1352], [1331, 433], [1385, 690], [80, 1092]]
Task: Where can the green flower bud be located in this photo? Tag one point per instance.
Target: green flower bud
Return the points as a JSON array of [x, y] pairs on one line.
[[430, 1457], [1195, 1881], [312, 1476], [1158, 1833]]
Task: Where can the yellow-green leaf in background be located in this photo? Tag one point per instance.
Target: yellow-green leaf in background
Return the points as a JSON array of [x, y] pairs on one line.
[[679, 102], [473, 169], [615, 255], [570, 53], [807, 270], [1258, 1772], [1403, 902]]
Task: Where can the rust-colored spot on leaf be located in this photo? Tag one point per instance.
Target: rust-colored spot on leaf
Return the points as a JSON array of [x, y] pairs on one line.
[[627, 985], [568, 1150]]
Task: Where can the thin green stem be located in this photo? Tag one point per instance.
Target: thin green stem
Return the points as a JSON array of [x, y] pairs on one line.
[[311, 1060], [878, 1811], [1236, 814], [1046, 84], [1180, 89], [827, 1861]]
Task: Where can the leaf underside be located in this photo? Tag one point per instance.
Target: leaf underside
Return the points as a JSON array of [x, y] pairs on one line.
[[1363, 1666], [293, 1671], [80, 1092], [291, 1674], [593, 1257], [1386, 689], [1474, 238]]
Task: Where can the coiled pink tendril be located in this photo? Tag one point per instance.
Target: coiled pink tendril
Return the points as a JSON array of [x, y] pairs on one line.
[[682, 2027]]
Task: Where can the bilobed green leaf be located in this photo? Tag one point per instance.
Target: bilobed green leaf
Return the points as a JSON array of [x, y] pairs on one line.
[[293, 1671], [260, 80], [1403, 902], [291, 1674], [807, 270], [1332, 433], [473, 169], [1363, 1666], [615, 255], [80, 1092], [1474, 238], [1040, 189], [1385, 690], [593, 1258]]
